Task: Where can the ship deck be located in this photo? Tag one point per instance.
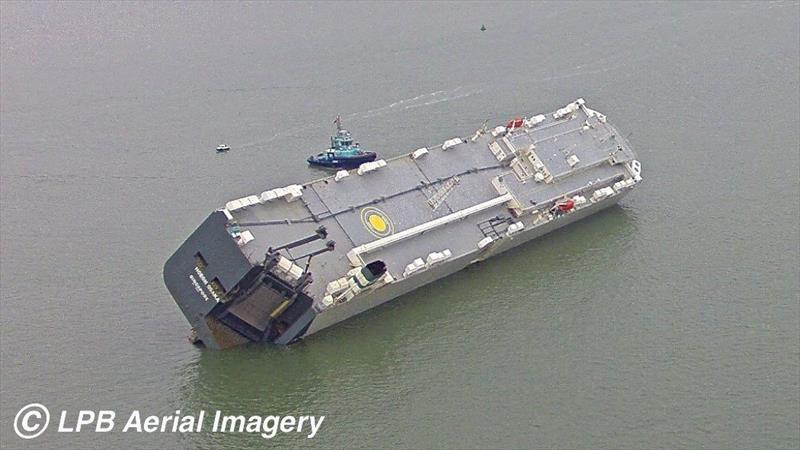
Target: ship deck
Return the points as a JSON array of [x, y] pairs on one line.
[[400, 194]]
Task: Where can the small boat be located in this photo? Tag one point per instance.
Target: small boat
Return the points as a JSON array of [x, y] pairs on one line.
[[222, 148], [343, 153]]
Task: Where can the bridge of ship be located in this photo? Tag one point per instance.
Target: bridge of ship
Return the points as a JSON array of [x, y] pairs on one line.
[[400, 194]]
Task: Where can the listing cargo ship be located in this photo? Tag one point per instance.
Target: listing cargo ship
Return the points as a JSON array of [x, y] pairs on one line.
[[279, 265]]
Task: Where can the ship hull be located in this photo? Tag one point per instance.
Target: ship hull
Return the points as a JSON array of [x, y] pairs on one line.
[[392, 291], [348, 162], [280, 265]]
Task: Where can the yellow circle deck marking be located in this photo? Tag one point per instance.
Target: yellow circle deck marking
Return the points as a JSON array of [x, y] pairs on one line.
[[376, 222]]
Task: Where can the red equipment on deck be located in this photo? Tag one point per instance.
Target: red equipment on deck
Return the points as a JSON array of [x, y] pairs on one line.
[[566, 205], [514, 123]]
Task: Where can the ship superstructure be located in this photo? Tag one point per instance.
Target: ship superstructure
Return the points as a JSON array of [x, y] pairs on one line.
[[278, 265]]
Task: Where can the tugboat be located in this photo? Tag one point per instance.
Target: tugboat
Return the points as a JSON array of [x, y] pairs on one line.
[[223, 148], [343, 153]]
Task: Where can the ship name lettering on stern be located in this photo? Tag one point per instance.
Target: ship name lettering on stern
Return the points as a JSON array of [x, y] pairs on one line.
[[205, 283], [201, 275], [198, 288]]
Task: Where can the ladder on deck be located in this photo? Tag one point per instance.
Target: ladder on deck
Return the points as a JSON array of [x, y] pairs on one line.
[[441, 194]]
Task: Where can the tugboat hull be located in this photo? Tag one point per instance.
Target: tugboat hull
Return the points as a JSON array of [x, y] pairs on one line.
[[343, 162]]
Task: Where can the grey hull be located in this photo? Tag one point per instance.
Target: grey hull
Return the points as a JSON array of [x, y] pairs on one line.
[[391, 292]]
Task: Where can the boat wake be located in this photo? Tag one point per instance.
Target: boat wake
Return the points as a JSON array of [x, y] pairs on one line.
[[419, 101]]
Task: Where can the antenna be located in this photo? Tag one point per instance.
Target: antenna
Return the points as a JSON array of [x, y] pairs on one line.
[[338, 122]]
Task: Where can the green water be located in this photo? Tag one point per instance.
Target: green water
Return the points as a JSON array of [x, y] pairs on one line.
[[672, 320]]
